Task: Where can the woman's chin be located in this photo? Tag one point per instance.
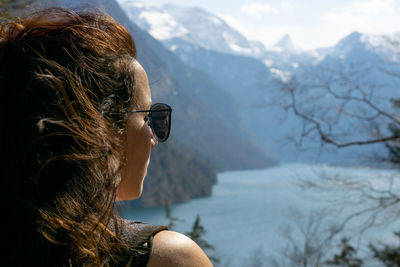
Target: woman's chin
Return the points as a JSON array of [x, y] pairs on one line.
[[131, 193]]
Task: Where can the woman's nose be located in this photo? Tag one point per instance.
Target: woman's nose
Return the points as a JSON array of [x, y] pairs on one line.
[[153, 139]]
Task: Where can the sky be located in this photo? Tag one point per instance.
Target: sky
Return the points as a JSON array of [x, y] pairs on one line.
[[310, 23]]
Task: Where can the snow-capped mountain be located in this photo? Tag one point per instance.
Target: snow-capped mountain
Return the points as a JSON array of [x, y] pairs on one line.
[[187, 29], [189, 26], [286, 44], [386, 47]]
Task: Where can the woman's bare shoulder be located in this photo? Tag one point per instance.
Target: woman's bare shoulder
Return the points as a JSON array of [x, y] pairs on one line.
[[174, 249]]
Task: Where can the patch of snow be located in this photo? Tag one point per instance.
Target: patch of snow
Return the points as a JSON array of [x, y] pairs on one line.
[[315, 53], [230, 41], [239, 49], [318, 55], [173, 47], [137, 4], [275, 49], [286, 44], [283, 75], [228, 37], [163, 25], [215, 20], [375, 40], [295, 65], [268, 62], [387, 45]]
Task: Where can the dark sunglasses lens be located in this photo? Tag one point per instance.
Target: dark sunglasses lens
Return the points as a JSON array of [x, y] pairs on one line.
[[161, 121]]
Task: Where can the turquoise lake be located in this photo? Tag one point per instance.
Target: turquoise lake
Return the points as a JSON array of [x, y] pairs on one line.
[[252, 211]]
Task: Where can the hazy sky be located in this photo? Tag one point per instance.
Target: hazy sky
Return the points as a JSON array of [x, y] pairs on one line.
[[310, 23]]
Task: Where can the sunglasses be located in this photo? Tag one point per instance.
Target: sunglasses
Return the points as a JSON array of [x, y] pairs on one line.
[[159, 120]]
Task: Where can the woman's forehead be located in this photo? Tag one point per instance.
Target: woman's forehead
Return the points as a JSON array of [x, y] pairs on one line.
[[142, 93]]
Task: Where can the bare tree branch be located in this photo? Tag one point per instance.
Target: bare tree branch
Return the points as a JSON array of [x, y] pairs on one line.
[[310, 109]]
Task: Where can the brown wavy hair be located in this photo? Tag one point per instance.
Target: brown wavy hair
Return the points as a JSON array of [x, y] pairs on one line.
[[66, 82]]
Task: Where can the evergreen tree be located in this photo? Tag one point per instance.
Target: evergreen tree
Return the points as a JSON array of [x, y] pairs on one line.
[[388, 255], [347, 256], [171, 219], [197, 234]]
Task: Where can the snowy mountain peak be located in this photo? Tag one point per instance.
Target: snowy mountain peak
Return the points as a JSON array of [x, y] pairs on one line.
[[193, 25], [387, 46], [190, 28], [286, 43], [350, 40], [160, 24]]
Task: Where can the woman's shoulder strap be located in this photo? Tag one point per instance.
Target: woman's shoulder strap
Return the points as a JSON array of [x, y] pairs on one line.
[[139, 236], [139, 233]]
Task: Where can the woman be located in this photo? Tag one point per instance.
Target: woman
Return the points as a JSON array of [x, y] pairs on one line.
[[78, 126]]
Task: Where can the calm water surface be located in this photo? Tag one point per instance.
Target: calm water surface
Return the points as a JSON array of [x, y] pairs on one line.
[[251, 210]]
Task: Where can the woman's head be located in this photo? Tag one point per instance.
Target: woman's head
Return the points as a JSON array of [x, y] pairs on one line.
[[139, 140], [68, 81]]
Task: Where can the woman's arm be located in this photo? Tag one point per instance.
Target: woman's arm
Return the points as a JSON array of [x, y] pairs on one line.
[[174, 249]]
